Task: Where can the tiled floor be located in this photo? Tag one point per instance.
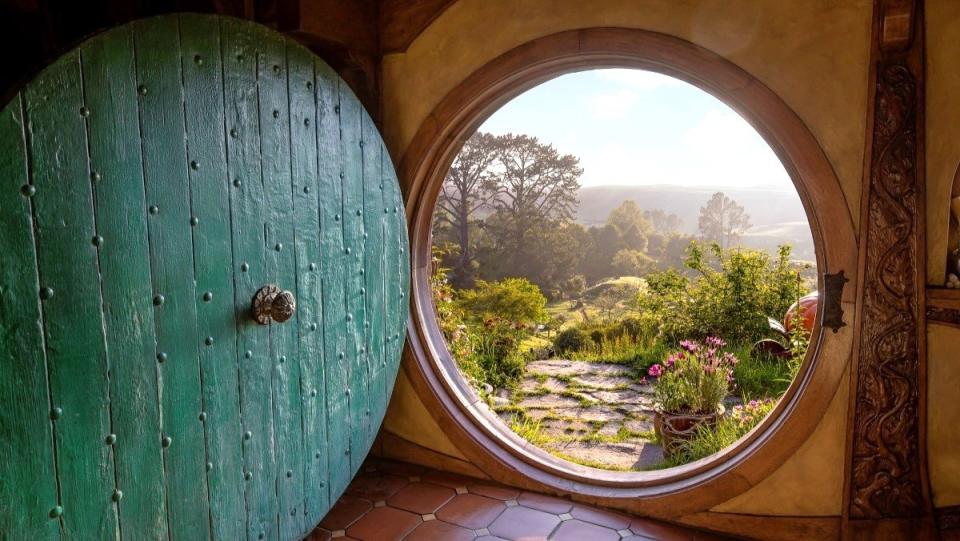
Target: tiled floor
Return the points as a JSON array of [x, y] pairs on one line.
[[393, 500]]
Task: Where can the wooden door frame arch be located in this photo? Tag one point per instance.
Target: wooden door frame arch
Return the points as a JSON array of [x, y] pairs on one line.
[[494, 448]]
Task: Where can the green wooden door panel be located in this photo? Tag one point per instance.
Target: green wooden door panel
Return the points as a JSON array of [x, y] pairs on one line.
[[152, 181]]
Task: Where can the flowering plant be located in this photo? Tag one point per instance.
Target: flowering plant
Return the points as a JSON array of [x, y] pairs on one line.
[[746, 416], [694, 379]]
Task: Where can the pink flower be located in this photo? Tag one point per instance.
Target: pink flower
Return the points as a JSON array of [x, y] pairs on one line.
[[689, 345], [655, 370], [670, 361]]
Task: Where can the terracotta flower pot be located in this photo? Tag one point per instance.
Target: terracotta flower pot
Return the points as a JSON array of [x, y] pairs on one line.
[[674, 429]]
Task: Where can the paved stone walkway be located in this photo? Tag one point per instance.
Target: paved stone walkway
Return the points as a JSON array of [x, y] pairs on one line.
[[593, 413]]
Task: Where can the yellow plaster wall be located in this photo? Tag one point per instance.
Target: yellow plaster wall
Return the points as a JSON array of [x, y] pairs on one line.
[[943, 413], [814, 54], [943, 127]]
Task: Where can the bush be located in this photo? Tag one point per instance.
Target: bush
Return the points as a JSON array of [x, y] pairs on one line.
[[572, 339], [513, 299], [731, 294]]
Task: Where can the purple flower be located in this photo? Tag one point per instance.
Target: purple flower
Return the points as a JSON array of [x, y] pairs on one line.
[[715, 342], [689, 345], [670, 361], [655, 370]]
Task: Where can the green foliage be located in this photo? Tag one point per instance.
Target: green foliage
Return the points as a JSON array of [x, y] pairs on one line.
[[570, 340], [729, 429], [487, 350], [515, 300], [731, 294]]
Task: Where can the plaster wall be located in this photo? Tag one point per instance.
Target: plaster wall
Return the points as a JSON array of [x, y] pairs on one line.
[[943, 414], [943, 128], [943, 158], [815, 55]]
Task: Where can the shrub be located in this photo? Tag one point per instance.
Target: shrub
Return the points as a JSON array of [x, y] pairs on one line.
[[572, 339], [731, 294], [513, 299], [695, 379]]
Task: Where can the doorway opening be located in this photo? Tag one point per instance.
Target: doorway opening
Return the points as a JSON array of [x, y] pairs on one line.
[[623, 270]]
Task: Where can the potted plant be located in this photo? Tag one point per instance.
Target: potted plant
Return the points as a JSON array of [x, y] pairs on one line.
[[690, 388]]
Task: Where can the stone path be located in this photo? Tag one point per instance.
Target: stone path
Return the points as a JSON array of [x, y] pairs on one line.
[[592, 413]]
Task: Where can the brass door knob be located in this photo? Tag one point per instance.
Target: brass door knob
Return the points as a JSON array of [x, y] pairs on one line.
[[273, 304]]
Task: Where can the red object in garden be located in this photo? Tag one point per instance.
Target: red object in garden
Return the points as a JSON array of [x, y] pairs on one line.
[[808, 311]]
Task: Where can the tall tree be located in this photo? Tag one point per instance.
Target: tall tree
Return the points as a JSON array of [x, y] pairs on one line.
[[722, 220], [534, 187], [466, 190]]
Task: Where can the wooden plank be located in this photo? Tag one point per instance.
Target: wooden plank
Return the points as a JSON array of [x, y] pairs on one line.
[[28, 485], [334, 278], [213, 266], [351, 150], [397, 272], [274, 114], [69, 281], [373, 253], [253, 345], [116, 169], [306, 212], [171, 259]]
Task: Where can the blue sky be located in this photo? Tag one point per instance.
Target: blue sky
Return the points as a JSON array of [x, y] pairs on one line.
[[639, 127]]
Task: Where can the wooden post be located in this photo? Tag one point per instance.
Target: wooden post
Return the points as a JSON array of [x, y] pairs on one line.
[[886, 489]]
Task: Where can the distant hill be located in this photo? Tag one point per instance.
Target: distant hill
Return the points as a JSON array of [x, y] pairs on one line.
[[777, 215]]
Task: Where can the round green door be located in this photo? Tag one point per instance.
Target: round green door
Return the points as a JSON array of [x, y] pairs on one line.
[[152, 181]]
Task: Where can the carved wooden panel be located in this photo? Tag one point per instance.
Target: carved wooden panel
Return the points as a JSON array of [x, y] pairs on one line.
[[886, 476]]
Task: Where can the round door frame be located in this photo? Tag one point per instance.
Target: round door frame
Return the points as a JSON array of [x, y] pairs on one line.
[[482, 438]]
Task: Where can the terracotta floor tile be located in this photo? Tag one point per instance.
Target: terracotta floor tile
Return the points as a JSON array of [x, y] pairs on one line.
[[319, 534], [447, 479], [544, 503], [384, 524], [660, 531], [577, 530], [601, 517], [436, 530], [376, 486], [471, 511], [421, 498], [524, 523], [494, 491], [346, 511]]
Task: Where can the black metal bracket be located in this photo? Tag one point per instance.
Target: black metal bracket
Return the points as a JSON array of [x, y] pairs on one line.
[[832, 316]]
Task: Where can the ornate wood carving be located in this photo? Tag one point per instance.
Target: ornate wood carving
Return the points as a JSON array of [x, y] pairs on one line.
[[887, 468], [950, 316], [948, 518]]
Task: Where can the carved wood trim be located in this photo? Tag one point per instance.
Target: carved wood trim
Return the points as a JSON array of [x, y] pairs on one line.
[[948, 518], [886, 471]]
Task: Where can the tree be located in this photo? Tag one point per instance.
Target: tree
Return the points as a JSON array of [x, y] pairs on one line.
[[629, 216], [535, 187], [722, 220], [465, 190], [633, 263], [663, 222]]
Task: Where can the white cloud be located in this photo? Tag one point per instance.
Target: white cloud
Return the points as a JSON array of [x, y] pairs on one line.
[[613, 104], [729, 152]]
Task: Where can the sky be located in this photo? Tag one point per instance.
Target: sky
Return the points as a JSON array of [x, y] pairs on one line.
[[639, 127]]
